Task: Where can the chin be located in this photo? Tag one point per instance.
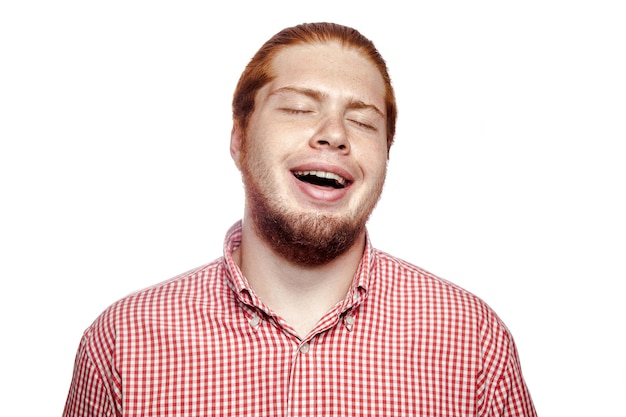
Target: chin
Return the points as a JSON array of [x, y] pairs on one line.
[[305, 238]]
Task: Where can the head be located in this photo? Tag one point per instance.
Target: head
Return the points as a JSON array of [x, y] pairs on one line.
[[314, 117], [259, 70]]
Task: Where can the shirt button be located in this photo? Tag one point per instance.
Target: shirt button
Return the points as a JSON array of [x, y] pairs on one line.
[[348, 321], [305, 348], [255, 321]]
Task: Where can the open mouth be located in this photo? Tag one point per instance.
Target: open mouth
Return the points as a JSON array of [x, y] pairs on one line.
[[321, 178]]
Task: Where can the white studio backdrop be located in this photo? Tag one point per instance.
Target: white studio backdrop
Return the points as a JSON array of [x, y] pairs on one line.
[[507, 176]]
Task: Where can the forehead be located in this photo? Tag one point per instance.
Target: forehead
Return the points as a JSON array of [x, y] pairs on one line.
[[329, 67]]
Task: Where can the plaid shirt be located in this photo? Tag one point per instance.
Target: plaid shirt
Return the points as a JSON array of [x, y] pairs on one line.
[[402, 343]]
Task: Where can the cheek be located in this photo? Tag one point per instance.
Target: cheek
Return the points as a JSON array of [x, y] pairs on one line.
[[381, 175], [373, 157], [258, 160]]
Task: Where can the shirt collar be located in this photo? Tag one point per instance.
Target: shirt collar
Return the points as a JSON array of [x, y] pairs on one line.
[[235, 278], [361, 283]]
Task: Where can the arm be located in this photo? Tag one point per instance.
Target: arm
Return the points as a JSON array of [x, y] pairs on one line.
[[91, 392], [503, 390], [511, 395]]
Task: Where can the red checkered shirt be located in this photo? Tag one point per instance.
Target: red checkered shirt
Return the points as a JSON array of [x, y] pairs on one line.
[[402, 343]]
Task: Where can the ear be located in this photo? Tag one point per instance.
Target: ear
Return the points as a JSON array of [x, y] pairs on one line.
[[236, 141]]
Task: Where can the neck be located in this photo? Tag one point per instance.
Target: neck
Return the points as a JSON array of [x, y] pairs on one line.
[[299, 294]]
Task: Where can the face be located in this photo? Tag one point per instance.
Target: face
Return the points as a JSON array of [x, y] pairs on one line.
[[314, 156]]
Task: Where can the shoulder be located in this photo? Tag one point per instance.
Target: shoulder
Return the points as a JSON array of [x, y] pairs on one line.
[[162, 301], [402, 273], [435, 296], [441, 307]]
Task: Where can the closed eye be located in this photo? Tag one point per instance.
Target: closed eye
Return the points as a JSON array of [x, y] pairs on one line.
[[295, 111], [364, 125]]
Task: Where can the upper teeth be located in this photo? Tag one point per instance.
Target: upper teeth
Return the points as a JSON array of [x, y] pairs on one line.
[[323, 174]]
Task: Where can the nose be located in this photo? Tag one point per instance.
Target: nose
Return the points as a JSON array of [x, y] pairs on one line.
[[332, 133]]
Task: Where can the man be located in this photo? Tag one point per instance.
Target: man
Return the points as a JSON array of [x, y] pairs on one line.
[[302, 316]]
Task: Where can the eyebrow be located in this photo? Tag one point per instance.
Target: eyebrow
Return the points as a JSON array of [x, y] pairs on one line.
[[318, 95]]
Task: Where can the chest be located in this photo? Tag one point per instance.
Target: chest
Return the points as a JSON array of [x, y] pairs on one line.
[[247, 364]]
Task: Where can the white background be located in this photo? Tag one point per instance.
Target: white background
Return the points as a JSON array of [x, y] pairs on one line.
[[507, 176]]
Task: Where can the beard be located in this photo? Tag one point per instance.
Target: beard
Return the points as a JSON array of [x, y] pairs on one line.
[[303, 238]]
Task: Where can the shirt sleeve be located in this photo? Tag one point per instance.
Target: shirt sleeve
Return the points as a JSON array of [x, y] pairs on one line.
[[511, 397], [508, 395], [90, 395]]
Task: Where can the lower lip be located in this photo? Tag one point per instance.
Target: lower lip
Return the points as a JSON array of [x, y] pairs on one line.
[[319, 193]]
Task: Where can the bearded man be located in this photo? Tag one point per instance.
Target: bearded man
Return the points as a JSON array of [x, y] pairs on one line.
[[301, 315]]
